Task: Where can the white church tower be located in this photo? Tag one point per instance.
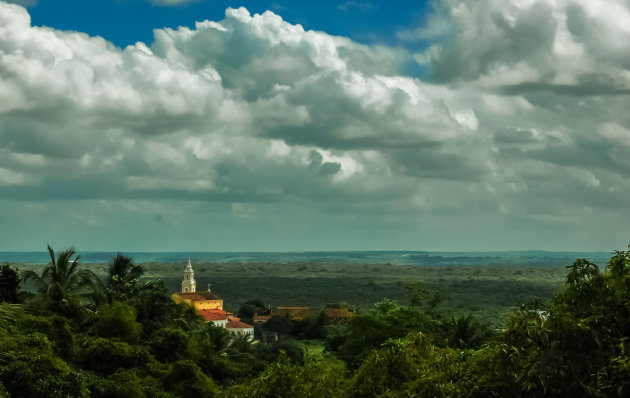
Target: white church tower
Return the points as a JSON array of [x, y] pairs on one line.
[[188, 284]]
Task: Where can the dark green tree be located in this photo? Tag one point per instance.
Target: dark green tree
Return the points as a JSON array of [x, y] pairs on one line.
[[9, 284], [123, 278], [63, 279], [118, 320]]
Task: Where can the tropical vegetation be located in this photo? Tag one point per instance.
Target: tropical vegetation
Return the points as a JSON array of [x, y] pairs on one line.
[[65, 333]]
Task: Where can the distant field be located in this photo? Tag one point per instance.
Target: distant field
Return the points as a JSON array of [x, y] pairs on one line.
[[489, 292]]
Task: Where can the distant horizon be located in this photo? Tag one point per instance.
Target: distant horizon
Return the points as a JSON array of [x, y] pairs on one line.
[[393, 257], [317, 251]]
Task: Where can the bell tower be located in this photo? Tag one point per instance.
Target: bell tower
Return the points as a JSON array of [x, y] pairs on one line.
[[188, 284]]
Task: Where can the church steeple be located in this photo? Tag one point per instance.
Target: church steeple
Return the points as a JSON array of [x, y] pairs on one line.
[[188, 284]]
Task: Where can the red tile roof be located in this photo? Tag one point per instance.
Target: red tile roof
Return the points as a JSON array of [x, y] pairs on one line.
[[213, 315], [232, 324]]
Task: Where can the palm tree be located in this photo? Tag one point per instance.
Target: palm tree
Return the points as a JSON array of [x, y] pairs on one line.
[[62, 279], [122, 279], [466, 332]]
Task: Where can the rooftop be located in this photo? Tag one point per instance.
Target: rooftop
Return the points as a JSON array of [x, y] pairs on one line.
[[213, 315], [199, 296], [232, 324]]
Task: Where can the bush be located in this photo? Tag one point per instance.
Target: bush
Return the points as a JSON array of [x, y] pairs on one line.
[[125, 384], [170, 344], [106, 356], [278, 324], [56, 329], [285, 379], [119, 320], [188, 381], [410, 367], [41, 374]]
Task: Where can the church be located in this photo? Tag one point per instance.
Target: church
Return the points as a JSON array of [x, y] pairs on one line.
[[210, 306]]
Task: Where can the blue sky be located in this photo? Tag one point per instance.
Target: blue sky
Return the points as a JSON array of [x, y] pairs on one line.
[[124, 22], [454, 125]]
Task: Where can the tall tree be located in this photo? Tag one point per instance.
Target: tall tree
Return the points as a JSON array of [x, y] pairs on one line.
[[122, 278], [9, 284], [63, 279]]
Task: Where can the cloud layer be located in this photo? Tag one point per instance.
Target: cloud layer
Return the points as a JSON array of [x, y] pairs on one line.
[[522, 124]]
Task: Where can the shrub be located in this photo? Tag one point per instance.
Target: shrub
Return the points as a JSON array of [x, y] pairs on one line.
[[119, 320], [170, 344], [188, 381], [106, 356], [285, 379]]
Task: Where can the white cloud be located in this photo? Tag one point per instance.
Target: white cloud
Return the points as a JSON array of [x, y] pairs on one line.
[[577, 46], [254, 111]]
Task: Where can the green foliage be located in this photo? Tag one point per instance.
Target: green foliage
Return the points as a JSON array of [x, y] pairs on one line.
[[56, 329], [122, 279], [9, 284], [289, 348], [466, 332], [246, 311], [410, 367], [170, 344], [368, 330], [118, 320], [278, 324], [105, 356], [31, 369], [8, 314], [310, 328], [148, 346], [187, 380], [285, 379], [63, 279], [125, 383], [23, 379], [155, 309], [576, 348]]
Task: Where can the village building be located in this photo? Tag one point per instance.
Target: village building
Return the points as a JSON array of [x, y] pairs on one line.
[[204, 300], [210, 306], [334, 315], [238, 328], [260, 320], [218, 318], [292, 313]]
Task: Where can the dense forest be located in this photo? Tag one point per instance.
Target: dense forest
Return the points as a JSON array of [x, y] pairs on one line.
[[67, 333]]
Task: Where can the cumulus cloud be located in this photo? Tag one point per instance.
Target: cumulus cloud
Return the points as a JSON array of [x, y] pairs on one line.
[[576, 47], [253, 115]]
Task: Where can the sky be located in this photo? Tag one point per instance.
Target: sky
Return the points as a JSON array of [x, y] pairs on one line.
[[206, 125]]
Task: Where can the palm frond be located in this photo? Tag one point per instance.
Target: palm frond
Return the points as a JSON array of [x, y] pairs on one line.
[[8, 313], [123, 268], [33, 277], [51, 252]]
